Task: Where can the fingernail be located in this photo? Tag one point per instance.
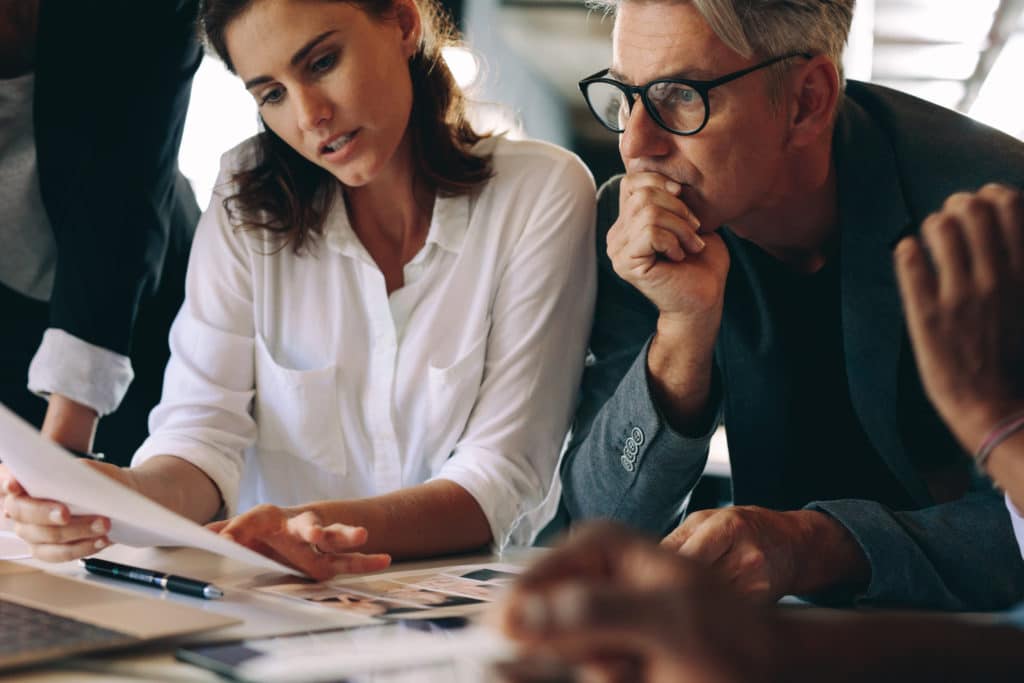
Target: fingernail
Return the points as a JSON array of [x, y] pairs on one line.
[[701, 243], [567, 606], [673, 187], [533, 613], [56, 516], [100, 543], [98, 527]]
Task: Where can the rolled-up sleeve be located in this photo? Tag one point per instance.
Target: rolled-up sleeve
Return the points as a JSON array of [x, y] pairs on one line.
[[508, 453], [204, 415], [85, 373]]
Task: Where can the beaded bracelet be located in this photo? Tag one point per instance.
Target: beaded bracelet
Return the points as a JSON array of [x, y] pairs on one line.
[[1000, 433]]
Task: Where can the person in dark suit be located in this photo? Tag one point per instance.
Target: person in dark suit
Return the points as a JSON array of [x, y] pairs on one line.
[[613, 601], [746, 274], [97, 218]]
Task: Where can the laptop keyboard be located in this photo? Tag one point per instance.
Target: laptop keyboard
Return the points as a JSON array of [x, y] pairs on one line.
[[25, 630]]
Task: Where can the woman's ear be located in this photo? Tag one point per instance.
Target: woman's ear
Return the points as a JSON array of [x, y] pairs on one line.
[[812, 100], [407, 13]]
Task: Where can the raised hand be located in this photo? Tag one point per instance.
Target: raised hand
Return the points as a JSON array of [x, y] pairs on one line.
[[965, 308], [657, 246]]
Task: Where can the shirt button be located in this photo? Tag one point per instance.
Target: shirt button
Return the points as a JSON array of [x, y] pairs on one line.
[[637, 435], [627, 464]]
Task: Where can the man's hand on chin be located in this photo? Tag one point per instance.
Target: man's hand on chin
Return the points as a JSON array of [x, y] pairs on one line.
[[765, 554]]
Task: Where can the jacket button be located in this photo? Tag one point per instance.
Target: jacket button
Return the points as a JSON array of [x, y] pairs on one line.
[[638, 435], [627, 464]]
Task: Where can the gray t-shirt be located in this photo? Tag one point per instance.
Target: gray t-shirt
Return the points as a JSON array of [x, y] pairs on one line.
[[29, 255]]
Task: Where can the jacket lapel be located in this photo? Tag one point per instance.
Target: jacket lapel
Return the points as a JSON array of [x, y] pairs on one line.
[[873, 215]]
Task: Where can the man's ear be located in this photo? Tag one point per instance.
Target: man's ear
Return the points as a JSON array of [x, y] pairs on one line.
[[407, 13], [811, 100]]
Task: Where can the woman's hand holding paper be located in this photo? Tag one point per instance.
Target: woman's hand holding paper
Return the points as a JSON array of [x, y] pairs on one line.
[[54, 534]]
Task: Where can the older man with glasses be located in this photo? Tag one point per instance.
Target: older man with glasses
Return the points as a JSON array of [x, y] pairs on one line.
[[747, 275]]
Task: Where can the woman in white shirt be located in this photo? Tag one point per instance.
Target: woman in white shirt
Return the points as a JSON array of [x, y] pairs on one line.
[[385, 312]]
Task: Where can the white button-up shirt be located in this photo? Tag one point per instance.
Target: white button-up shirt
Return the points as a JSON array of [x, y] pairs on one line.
[[1018, 524], [296, 378]]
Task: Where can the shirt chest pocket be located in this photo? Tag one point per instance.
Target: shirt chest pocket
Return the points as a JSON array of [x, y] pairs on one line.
[[297, 412], [453, 391]]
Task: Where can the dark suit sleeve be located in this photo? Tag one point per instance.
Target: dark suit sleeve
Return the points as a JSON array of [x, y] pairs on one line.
[[941, 557], [624, 461], [113, 82]]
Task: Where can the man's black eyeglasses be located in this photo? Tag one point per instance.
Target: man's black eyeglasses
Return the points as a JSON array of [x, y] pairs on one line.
[[679, 105]]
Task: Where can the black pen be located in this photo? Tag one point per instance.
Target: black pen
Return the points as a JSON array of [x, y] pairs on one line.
[[147, 577]]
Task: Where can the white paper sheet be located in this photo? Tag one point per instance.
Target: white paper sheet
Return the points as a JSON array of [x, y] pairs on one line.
[[47, 471]]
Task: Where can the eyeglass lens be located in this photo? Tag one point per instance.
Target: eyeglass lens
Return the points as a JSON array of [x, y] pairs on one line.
[[680, 107]]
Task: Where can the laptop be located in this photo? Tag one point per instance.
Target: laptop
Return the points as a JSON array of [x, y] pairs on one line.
[[44, 617]]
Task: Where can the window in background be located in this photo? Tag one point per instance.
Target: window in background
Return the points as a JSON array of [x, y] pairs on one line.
[[1000, 102], [962, 55], [220, 115]]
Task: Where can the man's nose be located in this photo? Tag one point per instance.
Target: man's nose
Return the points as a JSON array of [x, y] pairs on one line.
[[643, 137]]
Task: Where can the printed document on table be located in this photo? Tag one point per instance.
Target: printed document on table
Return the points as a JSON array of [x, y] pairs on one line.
[[416, 594], [46, 470]]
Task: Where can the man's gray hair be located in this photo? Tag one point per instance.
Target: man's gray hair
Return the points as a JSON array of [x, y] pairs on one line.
[[763, 29]]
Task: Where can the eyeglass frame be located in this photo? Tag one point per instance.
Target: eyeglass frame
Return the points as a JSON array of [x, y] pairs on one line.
[[701, 87]]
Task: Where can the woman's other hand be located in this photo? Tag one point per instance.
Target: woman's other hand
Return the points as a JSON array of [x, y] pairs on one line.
[[300, 539]]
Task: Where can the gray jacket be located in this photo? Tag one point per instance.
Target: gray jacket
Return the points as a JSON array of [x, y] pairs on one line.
[[897, 159]]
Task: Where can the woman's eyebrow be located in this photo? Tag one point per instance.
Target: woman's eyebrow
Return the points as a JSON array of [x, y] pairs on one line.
[[299, 55]]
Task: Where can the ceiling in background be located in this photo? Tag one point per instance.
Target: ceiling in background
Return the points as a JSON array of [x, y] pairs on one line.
[[963, 54]]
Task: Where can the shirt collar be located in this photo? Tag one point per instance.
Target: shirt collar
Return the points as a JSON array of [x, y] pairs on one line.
[[449, 223]]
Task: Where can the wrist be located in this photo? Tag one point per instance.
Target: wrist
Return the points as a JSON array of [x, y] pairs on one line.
[[845, 563], [1005, 466], [690, 328], [679, 364], [69, 423], [977, 423]]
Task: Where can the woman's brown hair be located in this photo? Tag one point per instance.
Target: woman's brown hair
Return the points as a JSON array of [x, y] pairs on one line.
[[289, 196]]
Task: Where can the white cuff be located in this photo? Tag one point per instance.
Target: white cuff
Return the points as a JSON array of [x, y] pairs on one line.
[[500, 490], [85, 373]]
